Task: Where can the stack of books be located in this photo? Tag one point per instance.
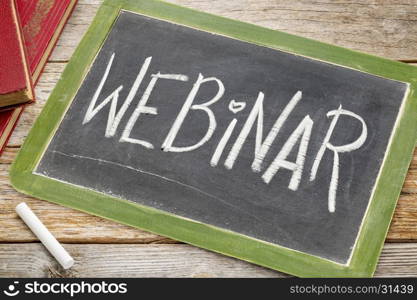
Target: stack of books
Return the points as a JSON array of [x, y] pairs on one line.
[[29, 30]]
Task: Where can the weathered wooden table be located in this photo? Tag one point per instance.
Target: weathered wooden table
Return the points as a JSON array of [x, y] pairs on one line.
[[106, 249]]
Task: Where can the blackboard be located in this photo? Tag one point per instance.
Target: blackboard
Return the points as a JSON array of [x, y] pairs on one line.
[[275, 146]]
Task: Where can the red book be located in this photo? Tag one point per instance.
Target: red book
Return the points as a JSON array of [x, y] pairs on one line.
[[15, 78], [42, 22], [8, 120]]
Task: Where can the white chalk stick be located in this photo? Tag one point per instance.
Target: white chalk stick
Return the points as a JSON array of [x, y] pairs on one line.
[[43, 234]]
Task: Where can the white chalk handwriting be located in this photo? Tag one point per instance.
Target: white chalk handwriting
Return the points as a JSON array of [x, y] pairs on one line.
[[300, 135]]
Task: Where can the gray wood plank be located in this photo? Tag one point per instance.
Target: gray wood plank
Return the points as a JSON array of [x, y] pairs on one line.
[[180, 260], [386, 27]]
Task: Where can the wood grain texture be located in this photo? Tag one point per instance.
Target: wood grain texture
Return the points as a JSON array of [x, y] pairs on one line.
[[385, 28], [95, 260]]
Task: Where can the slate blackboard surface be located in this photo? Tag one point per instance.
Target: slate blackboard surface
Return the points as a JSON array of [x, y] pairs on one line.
[[236, 199]]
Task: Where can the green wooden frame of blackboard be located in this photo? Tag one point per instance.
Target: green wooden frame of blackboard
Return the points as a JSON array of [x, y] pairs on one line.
[[377, 219]]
